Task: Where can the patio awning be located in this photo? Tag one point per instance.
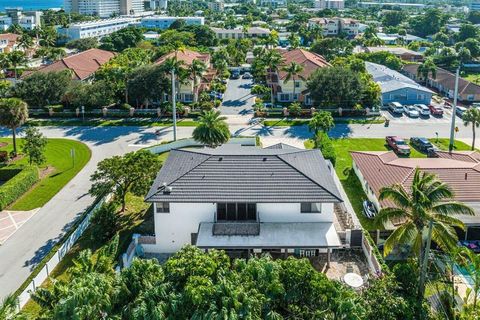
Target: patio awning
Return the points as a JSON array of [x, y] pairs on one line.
[[273, 235]]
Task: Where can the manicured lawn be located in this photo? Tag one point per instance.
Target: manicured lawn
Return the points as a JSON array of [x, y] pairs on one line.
[[348, 178], [59, 170], [147, 122]]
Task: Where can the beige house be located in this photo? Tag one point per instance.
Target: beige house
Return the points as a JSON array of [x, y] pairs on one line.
[[335, 26], [185, 91], [290, 91]]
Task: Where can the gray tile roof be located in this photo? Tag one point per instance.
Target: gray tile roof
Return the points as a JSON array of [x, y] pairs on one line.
[[234, 173]]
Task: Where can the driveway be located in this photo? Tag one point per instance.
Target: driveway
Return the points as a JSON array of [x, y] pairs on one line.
[[237, 99]]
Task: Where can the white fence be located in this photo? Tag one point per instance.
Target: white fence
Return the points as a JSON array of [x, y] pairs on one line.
[[373, 263], [58, 256], [183, 143]]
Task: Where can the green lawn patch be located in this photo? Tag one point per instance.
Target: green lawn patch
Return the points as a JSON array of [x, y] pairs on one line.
[[443, 143], [99, 122], [55, 174]]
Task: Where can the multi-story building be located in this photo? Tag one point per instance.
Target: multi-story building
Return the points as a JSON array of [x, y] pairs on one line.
[[475, 5], [186, 91], [159, 5], [94, 29], [329, 4], [217, 6], [104, 8], [240, 198], [273, 3], [335, 26], [25, 19], [240, 33], [296, 89], [163, 22]]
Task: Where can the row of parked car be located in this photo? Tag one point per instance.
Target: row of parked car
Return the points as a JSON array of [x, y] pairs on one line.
[[400, 146], [416, 110]]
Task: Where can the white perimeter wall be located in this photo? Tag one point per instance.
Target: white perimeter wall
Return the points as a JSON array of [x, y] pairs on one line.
[[290, 212], [173, 230]]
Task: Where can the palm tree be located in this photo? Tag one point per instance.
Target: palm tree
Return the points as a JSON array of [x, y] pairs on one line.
[[212, 129], [293, 70], [294, 40], [196, 69], [25, 41], [321, 121], [8, 308], [472, 116], [426, 211], [13, 114], [272, 60], [470, 261], [17, 58], [427, 68]]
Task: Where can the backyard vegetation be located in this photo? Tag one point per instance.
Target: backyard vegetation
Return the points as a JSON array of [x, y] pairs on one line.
[[57, 171]]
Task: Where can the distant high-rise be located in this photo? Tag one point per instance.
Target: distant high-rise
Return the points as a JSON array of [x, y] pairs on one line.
[[475, 5], [158, 4], [104, 8]]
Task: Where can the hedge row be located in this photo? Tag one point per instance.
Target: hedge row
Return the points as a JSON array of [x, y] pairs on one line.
[[18, 185], [8, 173]]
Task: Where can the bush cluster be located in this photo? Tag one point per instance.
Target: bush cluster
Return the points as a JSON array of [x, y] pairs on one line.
[[324, 143], [19, 183]]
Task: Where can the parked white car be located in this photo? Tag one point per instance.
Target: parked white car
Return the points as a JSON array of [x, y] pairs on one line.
[[423, 109], [395, 108], [411, 111]]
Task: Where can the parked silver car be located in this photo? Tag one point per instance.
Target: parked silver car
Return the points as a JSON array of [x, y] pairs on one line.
[[423, 109], [411, 111]]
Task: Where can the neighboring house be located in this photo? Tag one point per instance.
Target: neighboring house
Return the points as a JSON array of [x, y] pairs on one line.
[[284, 90], [185, 91], [444, 82], [240, 33], [396, 87], [460, 170], [394, 38], [83, 65], [163, 22], [27, 20], [94, 29], [245, 198], [400, 52], [8, 42], [335, 26]]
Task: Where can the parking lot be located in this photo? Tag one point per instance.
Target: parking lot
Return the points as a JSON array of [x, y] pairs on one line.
[[11, 221], [397, 118]]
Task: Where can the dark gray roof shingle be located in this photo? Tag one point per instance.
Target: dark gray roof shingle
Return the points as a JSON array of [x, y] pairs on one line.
[[244, 174]]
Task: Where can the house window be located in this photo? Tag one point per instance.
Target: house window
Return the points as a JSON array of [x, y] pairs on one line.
[[421, 97], [188, 97], [163, 207], [297, 84], [232, 211], [284, 97], [470, 97], [310, 207], [295, 97]]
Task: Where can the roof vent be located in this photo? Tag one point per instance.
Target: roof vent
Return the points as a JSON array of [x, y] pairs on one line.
[[220, 159], [264, 159], [166, 188]]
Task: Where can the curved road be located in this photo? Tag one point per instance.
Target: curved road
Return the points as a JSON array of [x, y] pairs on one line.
[[34, 239]]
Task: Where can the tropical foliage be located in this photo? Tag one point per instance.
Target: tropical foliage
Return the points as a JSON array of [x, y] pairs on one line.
[[212, 129], [13, 114]]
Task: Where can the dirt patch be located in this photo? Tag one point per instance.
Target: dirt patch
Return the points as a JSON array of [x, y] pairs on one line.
[[46, 171], [3, 144]]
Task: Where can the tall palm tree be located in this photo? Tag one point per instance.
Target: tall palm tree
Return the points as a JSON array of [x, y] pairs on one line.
[[17, 58], [426, 211], [25, 41], [272, 60], [293, 70], [472, 116], [427, 68], [13, 114], [212, 129], [196, 69]]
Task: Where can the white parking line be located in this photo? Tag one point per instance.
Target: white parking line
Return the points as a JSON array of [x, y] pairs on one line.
[[13, 220]]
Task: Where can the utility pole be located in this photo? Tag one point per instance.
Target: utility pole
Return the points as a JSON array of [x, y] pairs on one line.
[[174, 106], [454, 111]]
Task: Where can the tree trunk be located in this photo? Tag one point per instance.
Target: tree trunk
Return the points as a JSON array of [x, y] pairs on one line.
[[424, 263], [124, 203], [473, 131], [15, 71], [272, 98], [293, 98], [14, 134]]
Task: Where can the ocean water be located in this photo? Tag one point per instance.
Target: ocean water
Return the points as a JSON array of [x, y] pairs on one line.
[[30, 4]]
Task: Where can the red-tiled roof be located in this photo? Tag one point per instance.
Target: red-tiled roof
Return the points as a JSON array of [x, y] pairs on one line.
[[309, 60], [82, 64], [11, 37], [187, 56], [460, 170]]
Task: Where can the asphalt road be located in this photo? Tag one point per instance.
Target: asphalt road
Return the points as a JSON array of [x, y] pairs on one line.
[[237, 99], [34, 239]]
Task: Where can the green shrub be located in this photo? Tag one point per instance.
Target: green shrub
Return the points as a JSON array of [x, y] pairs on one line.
[[8, 173], [55, 107], [324, 143], [18, 185], [125, 106], [106, 221]]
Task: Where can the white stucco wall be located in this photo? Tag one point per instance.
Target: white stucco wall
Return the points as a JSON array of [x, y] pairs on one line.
[[368, 191], [290, 212], [173, 230]]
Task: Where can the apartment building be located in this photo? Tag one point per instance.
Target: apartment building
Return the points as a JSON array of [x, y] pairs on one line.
[[329, 4], [104, 8], [273, 3], [25, 19], [475, 5], [164, 22], [335, 26], [240, 33], [217, 6], [94, 29]]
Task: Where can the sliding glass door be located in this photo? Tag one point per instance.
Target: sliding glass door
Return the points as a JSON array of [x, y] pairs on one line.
[[236, 211]]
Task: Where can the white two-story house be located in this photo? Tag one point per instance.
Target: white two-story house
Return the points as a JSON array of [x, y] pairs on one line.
[[237, 198]]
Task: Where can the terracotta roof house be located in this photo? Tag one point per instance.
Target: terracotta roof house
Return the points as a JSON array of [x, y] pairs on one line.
[[444, 82], [460, 170], [186, 91], [290, 91], [83, 65], [8, 42], [400, 52]]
